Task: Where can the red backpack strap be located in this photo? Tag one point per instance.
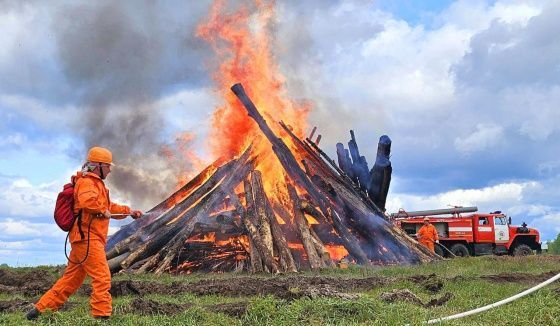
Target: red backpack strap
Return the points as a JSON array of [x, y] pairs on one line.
[[73, 180]]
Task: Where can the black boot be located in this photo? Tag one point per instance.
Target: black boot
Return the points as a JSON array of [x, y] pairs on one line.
[[32, 314], [101, 317]]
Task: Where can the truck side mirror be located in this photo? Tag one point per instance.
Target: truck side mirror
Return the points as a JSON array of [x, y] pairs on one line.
[[509, 220]]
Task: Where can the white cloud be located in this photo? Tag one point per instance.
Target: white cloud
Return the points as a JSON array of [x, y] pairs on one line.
[[22, 228], [487, 198], [485, 137], [21, 198]]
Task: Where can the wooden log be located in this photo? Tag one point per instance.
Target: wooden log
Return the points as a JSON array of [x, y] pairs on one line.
[[239, 172], [255, 236], [155, 212], [223, 228], [151, 246], [350, 242], [380, 174], [303, 227], [260, 211], [312, 133], [321, 249], [281, 150], [314, 162], [154, 229], [344, 160], [256, 260], [173, 247], [169, 231], [359, 164], [279, 240], [377, 230], [115, 263], [309, 209]]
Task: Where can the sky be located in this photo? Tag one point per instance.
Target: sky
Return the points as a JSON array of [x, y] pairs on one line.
[[467, 90]]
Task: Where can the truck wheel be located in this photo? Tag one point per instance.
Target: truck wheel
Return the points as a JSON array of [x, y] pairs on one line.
[[438, 250], [522, 250], [460, 250]]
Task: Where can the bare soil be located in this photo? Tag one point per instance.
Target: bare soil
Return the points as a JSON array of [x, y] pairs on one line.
[[151, 307], [406, 295], [233, 309], [431, 282], [32, 283], [24, 305], [525, 278]]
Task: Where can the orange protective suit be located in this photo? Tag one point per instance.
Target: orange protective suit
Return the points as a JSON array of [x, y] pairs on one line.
[[427, 235], [92, 198]]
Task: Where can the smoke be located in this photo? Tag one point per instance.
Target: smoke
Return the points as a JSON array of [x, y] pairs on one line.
[[317, 38], [120, 58]]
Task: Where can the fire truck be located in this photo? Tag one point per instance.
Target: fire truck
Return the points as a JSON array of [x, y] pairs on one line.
[[472, 234]]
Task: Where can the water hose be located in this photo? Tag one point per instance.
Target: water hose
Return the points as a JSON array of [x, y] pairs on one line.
[[496, 304]]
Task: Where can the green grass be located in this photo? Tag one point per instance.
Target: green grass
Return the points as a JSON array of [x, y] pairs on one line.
[[540, 308]]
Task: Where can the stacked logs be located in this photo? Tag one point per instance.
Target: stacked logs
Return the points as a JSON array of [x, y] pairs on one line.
[[223, 219]]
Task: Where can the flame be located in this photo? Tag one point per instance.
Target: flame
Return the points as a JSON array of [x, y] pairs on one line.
[[243, 42], [208, 237], [181, 155], [337, 252]]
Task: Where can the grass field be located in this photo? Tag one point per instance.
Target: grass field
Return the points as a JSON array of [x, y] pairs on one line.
[[347, 297]]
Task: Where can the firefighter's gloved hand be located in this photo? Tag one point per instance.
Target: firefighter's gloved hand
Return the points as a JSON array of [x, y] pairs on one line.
[[437, 241], [136, 214], [107, 214]]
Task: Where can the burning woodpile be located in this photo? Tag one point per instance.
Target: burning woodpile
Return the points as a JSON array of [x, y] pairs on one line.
[[228, 218]]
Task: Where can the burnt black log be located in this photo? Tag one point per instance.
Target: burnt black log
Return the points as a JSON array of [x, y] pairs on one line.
[[380, 174], [344, 161], [360, 169]]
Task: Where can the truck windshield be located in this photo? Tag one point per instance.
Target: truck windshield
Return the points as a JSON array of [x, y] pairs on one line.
[[500, 220]]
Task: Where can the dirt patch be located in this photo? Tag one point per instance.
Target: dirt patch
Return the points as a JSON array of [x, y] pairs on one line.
[[151, 307], [18, 305], [430, 282], [233, 309], [439, 301], [32, 283], [519, 277], [14, 306], [313, 291], [137, 288], [406, 295], [282, 287], [286, 287]]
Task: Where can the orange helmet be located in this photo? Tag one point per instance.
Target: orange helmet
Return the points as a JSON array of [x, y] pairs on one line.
[[100, 154]]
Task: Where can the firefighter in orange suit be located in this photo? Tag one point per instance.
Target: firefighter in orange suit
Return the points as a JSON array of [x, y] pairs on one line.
[[91, 199], [427, 235]]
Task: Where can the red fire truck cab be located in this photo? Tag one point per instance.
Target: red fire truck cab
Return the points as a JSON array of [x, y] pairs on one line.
[[472, 234]]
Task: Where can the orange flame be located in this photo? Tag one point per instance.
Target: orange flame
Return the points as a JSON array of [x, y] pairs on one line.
[[242, 42]]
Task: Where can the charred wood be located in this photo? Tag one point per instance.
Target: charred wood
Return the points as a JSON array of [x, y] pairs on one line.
[[239, 172], [380, 174], [147, 232], [303, 227], [256, 260], [260, 211], [286, 259], [156, 211]]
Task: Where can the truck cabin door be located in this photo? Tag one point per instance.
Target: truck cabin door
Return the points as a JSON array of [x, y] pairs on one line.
[[501, 229], [485, 232]]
